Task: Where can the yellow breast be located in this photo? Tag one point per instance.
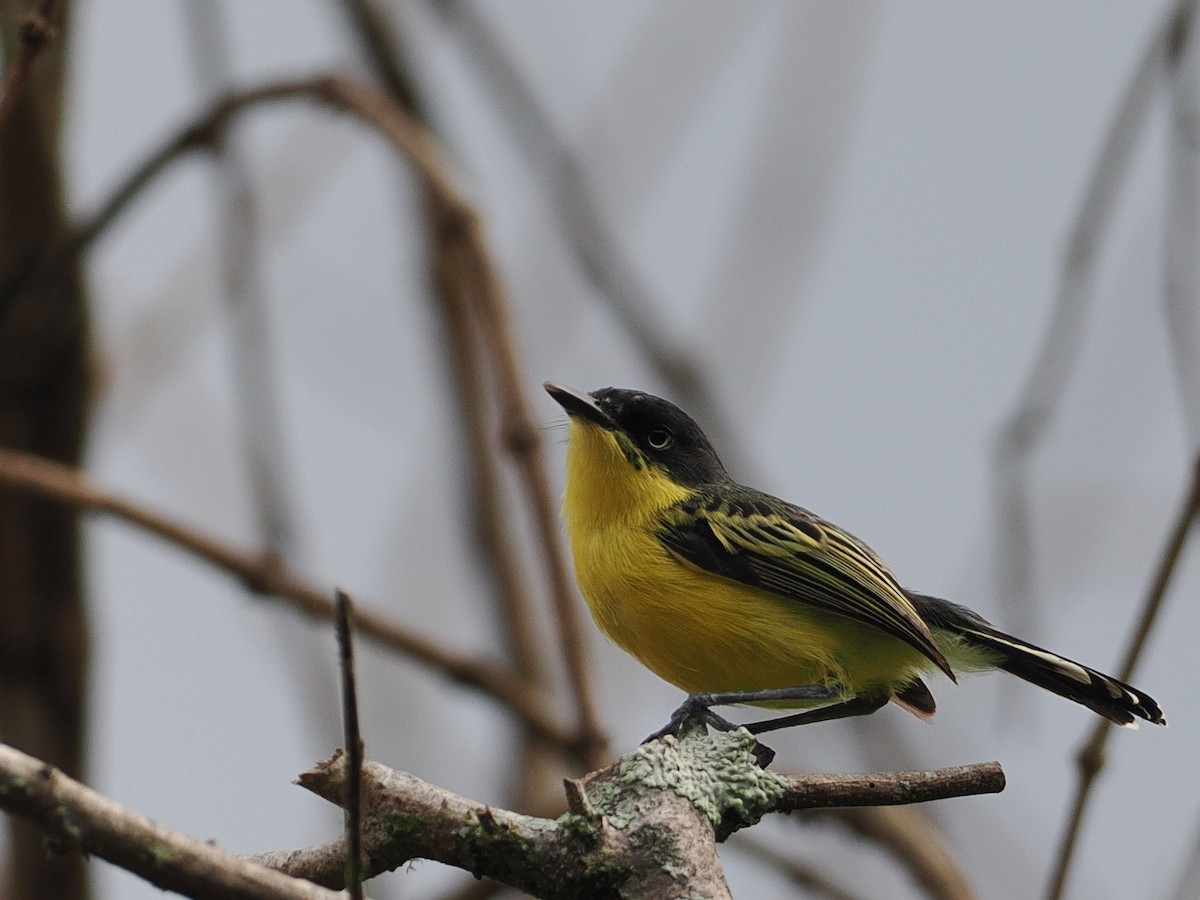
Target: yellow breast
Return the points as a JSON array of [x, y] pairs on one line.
[[700, 631]]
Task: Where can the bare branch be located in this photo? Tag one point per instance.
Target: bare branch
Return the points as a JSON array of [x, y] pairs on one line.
[[801, 874], [1181, 207], [487, 509], [78, 819], [580, 222], [1090, 759], [459, 220], [255, 396], [916, 846], [1045, 385], [266, 576], [352, 738], [37, 29], [523, 442]]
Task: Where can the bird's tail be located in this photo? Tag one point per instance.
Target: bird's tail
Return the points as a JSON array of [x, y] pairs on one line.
[[1106, 695]]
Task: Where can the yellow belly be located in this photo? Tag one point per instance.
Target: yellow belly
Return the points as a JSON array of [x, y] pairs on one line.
[[706, 633]]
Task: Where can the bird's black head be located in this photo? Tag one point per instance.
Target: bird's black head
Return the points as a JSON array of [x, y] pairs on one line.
[[662, 433]]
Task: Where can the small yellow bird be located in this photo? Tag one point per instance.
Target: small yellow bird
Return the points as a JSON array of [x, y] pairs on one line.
[[736, 596]]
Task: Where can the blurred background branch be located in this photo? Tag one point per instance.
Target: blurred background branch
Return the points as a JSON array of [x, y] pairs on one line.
[[826, 230], [43, 395]]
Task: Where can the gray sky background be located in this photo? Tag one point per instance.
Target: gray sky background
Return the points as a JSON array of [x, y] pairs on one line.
[[853, 214]]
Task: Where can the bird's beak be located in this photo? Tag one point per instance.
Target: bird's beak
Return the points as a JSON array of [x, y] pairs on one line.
[[580, 405]]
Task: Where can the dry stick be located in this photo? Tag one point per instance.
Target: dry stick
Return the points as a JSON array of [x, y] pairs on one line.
[[520, 435], [491, 526], [50, 274], [265, 576], [405, 134], [36, 30], [376, 109], [523, 442], [581, 223], [76, 818], [352, 738], [1090, 759], [370, 27], [497, 544], [467, 361], [1047, 381], [256, 400], [801, 874], [910, 838], [1181, 225], [460, 233]]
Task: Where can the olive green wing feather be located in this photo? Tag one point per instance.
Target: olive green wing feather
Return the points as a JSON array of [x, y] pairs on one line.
[[763, 542]]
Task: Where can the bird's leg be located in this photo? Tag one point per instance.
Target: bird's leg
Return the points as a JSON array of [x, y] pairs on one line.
[[700, 705], [694, 707], [855, 706]]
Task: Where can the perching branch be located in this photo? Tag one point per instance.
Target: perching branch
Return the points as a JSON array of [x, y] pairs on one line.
[[892, 789], [267, 577], [77, 819], [646, 826]]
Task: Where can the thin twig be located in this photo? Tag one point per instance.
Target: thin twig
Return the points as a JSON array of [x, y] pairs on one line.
[[1188, 886], [37, 29], [1181, 228], [466, 273], [251, 359], [266, 576], [590, 240], [1091, 757], [352, 738], [371, 29], [915, 844], [1045, 386], [799, 873], [406, 135], [523, 442], [76, 818], [490, 519]]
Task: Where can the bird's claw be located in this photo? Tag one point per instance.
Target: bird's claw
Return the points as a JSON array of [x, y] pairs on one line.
[[696, 711]]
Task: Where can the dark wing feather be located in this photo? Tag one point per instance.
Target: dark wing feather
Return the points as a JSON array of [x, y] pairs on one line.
[[766, 543]]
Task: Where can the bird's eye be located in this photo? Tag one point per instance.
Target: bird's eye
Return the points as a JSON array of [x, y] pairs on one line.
[[660, 438]]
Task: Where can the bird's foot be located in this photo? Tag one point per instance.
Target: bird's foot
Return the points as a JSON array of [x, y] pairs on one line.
[[696, 712]]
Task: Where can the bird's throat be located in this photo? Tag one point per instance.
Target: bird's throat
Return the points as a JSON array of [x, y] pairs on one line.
[[610, 483]]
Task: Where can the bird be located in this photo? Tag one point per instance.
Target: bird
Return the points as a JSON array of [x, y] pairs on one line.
[[738, 597]]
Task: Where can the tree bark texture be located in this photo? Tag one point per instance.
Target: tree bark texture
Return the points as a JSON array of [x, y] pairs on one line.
[[43, 390]]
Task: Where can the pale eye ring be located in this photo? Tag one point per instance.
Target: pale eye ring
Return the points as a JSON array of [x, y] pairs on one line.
[[660, 438]]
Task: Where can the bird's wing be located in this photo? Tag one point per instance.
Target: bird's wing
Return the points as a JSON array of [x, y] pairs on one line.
[[766, 543]]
